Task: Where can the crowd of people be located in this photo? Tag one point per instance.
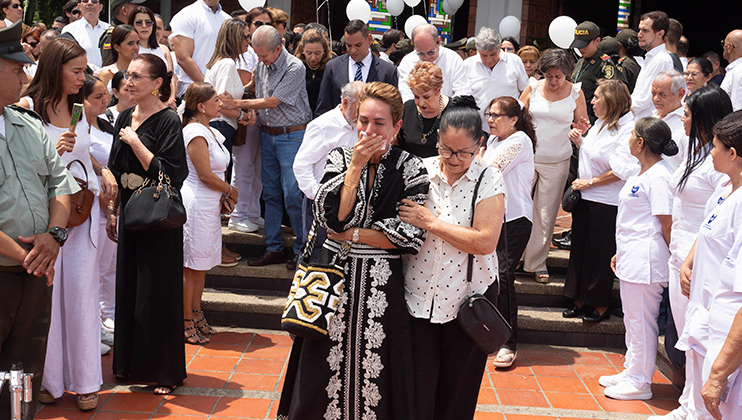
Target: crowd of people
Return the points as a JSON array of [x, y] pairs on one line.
[[378, 144]]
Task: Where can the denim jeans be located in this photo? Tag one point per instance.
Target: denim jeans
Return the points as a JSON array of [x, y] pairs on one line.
[[280, 187]]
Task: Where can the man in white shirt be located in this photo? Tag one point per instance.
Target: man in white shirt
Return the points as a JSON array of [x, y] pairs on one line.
[[652, 29], [334, 128], [13, 10], [732, 83], [668, 91], [88, 30], [388, 42], [195, 29], [492, 72], [428, 48]]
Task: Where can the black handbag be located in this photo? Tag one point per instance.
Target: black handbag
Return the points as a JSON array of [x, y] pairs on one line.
[[155, 206], [315, 292], [570, 199], [477, 316]]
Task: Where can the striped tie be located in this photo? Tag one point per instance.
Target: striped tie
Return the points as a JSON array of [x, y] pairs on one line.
[[359, 73]]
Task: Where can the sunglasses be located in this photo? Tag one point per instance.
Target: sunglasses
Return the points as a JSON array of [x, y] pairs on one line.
[[33, 44], [258, 23], [16, 6], [90, 1], [147, 23], [75, 12]]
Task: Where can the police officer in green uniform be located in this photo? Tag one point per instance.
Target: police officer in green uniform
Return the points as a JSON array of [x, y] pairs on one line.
[[34, 208], [628, 42], [120, 9], [593, 65]]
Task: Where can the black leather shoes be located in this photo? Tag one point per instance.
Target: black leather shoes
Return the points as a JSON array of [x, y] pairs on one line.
[[291, 265], [594, 316], [565, 242], [269, 257], [574, 311]]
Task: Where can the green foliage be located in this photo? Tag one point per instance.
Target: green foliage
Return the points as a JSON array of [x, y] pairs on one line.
[[47, 10]]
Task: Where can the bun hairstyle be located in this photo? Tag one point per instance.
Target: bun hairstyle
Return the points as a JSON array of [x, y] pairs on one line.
[[657, 136], [462, 113], [157, 69], [514, 108]]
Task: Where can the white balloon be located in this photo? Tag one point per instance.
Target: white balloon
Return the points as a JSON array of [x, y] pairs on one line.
[[395, 7], [251, 4], [446, 6], [456, 4], [510, 26], [562, 31], [412, 3], [412, 22], [358, 9]]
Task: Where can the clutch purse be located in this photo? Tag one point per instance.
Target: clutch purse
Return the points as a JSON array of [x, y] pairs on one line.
[[155, 206], [81, 201], [570, 199]]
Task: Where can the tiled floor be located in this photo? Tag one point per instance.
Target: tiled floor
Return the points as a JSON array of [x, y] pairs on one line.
[[240, 375]]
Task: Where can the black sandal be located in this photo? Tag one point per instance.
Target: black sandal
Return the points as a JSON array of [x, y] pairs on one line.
[[196, 338], [164, 389], [203, 323]]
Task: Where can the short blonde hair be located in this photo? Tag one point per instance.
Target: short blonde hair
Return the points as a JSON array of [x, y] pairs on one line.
[[425, 76], [529, 52], [617, 100], [386, 93]]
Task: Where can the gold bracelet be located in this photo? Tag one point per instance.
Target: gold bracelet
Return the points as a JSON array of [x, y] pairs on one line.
[[349, 186]]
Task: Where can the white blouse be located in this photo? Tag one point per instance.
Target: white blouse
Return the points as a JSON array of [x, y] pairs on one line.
[[641, 250], [607, 150], [224, 77], [553, 121], [435, 278], [514, 158]]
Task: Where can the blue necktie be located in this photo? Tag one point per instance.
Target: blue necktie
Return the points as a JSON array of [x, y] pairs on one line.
[[359, 73]]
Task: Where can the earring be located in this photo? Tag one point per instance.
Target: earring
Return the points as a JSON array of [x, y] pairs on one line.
[[155, 92], [512, 127]]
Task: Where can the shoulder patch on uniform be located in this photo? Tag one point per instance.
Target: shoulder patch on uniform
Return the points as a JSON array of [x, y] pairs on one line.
[[605, 57], [608, 72], [620, 60], [26, 111], [106, 45]]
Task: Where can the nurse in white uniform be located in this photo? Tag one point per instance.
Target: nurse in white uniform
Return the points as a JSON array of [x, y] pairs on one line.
[[642, 237]]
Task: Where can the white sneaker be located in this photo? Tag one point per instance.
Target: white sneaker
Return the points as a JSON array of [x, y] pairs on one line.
[[245, 226], [104, 349], [679, 413], [259, 221], [108, 325], [626, 390], [612, 380], [106, 337]]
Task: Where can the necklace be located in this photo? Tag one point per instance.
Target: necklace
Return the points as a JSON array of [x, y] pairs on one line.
[[314, 70], [424, 140]]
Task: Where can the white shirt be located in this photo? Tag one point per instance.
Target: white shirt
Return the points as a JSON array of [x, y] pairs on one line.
[[553, 120], [248, 60], [451, 65], [727, 299], [154, 51], [435, 278], [514, 158], [88, 36], [200, 23], [684, 62], [224, 77], [507, 78], [641, 250], [715, 238], [655, 61], [673, 120], [8, 22], [384, 56], [732, 83], [352, 68], [607, 150], [324, 133]]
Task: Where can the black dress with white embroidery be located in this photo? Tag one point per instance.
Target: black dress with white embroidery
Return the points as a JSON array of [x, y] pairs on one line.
[[364, 369]]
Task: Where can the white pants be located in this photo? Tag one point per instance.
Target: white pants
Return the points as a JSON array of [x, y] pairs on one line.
[[548, 184], [641, 306], [678, 305], [246, 176], [73, 350], [106, 271], [693, 385]]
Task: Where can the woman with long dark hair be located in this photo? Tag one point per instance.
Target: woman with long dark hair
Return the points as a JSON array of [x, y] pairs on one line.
[[124, 47], [143, 21]]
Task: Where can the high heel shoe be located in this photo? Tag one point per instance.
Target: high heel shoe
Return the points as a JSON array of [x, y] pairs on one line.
[[594, 316], [196, 338], [203, 323]]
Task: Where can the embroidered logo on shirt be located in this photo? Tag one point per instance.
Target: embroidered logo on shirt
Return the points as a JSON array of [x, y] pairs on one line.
[[634, 191], [707, 225]]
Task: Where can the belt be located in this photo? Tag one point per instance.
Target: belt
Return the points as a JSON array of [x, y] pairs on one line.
[[283, 130], [131, 181], [16, 269]]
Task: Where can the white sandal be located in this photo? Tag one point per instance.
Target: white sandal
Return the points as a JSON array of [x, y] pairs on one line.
[[505, 358]]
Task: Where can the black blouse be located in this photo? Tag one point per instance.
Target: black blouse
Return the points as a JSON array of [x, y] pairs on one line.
[[410, 136], [313, 78]]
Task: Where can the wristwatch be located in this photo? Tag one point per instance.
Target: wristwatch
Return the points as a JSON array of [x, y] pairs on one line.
[[59, 234], [590, 182], [356, 237]]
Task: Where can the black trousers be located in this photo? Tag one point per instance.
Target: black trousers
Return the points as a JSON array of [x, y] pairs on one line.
[[448, 370], [589, 275], [510, 247], [25, 313]]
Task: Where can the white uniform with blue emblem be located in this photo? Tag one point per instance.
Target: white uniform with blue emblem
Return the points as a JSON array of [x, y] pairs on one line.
[[641, 264]]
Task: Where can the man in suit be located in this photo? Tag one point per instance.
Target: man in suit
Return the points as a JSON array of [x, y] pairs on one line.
[[357, 65]]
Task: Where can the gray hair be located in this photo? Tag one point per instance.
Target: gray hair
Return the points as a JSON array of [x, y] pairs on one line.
[[425, 28], [267, 36], [678, 80], [350, 91], [556, 58], [488, 40]]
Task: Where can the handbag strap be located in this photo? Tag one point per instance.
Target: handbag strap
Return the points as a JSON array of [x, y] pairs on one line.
[[82, 165], [470, 261], [309, 246]]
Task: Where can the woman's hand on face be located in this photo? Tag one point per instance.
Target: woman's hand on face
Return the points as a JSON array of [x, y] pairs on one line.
[[66, 142], [365, 148], [685, 276], [109, 186], [580, 184], [129, 136], [342, 236], [415, 214]]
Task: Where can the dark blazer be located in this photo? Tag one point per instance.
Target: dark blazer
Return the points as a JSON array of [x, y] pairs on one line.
[[336, 75]]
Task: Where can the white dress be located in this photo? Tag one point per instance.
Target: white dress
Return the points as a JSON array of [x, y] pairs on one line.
[[202, 232]]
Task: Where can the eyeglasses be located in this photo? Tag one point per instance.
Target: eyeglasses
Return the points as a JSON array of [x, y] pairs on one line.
[[75, 12], [135, 77], [147, 23], [430, 53], [90, 1], [691, 74], [494, 116], [257, 23], [16, 5], [445, 152]]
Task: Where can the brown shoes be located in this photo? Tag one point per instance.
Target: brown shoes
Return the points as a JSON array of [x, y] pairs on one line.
[[268, 257], [293, 262]]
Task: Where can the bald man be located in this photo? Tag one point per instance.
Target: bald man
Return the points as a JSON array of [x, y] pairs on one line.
[[732, 83]]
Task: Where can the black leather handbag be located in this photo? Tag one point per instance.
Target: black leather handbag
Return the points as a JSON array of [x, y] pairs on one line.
[[570, 199], [477, 316], [155, 206]]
